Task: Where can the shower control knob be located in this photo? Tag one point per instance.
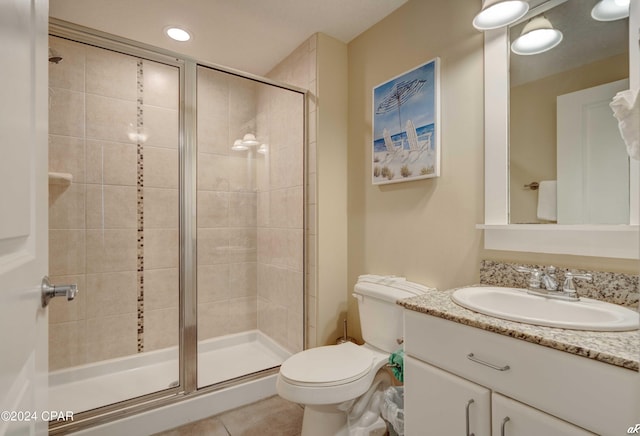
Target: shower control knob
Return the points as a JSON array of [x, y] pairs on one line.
[[49, 291]]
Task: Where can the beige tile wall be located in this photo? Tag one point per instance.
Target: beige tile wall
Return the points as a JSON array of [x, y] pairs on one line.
[[281, 205], [93, 222]]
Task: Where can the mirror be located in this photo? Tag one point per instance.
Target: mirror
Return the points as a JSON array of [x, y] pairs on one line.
[[601, 240], [562, 134]]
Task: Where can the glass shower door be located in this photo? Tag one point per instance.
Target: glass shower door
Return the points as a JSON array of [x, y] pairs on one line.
[[249, 225], [113, 219]]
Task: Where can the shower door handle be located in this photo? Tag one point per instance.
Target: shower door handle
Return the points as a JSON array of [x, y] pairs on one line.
[[49, 291]]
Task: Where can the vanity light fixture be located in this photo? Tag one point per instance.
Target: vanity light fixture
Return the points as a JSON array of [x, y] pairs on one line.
[[177, 33], [499, 13], [249, 139], [263, 149], [537, 37], [610, 10], [239, 146]]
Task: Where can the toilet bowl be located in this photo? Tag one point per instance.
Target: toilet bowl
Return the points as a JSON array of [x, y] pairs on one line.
[[331, 374], [328, 380]]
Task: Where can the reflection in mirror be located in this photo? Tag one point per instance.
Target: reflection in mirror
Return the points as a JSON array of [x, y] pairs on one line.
[[561, 128]]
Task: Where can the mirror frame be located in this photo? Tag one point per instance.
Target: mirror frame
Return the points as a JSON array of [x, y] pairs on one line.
[[615, 241]]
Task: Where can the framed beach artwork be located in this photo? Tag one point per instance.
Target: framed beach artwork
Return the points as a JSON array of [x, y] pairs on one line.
[[406, 126]]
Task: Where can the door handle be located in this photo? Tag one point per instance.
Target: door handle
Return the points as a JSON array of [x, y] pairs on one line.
[[504, 422], [49, 291], [466, 414]]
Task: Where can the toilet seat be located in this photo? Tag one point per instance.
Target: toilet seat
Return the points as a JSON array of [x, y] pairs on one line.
[[331, 365]]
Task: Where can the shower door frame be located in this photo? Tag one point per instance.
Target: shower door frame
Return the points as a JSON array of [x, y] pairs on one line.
[[187, 192]]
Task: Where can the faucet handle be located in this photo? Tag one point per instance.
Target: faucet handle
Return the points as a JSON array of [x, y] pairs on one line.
[[525, 269], [534, 279], [569, 284]]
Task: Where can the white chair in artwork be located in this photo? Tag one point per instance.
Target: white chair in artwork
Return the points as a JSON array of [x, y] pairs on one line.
[[416, 145], [392, 148], [412, 136], [388, 142]]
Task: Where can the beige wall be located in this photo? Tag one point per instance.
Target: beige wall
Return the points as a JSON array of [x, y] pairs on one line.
[[532, 152], [332, 181], [425, 230]]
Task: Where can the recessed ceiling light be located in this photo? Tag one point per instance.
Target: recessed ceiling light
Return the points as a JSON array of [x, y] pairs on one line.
[[177, 34]]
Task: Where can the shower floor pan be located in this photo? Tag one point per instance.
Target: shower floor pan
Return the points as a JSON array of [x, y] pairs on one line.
[[87, 387]]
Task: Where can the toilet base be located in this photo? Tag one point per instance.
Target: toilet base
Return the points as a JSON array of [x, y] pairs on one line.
[[329, 420], [323, 420]]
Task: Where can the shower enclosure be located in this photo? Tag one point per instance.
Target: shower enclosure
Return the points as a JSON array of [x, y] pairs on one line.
[[176, 203]]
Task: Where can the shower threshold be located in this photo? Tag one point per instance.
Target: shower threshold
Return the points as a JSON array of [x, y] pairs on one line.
[[94, 385]]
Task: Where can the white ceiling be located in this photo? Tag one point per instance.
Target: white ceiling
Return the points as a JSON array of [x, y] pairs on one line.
[[248, 35]]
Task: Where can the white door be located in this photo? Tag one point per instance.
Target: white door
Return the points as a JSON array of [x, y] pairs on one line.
[[593, 165], [23, 215]]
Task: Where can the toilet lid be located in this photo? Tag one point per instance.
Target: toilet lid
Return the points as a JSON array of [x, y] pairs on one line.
[[328, 366]]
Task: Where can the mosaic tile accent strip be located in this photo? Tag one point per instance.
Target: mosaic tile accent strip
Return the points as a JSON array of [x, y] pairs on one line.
[[617, 288], [615, 348], [140, 204]]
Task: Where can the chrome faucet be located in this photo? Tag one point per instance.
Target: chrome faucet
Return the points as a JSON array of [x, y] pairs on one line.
[[545, 283], [549, 279], [541, 279], [569, 286]]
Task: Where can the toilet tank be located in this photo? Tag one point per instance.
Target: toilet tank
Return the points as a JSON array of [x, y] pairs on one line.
[[380, 316]]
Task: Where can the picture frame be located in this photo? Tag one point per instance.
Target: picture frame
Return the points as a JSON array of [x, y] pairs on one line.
[[406, 126]]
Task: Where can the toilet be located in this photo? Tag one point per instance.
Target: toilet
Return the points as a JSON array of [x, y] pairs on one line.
[[329, 380]]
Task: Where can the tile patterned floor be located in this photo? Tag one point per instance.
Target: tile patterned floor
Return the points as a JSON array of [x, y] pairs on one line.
[[270, 417]]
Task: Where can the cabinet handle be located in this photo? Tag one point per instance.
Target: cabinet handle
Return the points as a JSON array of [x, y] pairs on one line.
[[471, 357], [469, 403], [504, 421]]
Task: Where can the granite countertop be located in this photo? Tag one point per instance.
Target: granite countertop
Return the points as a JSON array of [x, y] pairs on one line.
[[616, 348]]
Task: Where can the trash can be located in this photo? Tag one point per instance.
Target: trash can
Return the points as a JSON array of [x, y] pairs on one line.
[[393, 409]]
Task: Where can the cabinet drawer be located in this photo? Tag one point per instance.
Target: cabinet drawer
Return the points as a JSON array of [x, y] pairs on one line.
[[594, 395]]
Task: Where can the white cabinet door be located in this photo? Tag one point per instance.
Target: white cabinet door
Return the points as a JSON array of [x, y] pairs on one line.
[[511, 418], [438, 403], [23, 216]]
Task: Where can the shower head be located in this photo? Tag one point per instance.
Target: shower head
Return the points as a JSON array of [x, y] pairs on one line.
[[54, 57]]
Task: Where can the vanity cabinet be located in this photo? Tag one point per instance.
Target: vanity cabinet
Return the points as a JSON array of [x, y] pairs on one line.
[[542, 390], [440, 403]]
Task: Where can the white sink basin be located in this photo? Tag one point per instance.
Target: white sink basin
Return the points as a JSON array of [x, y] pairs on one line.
[[516, 305]]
